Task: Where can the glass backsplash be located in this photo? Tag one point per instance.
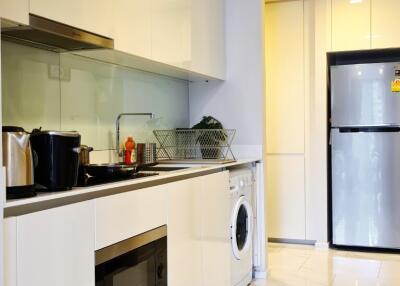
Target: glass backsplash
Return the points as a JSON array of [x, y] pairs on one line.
[[63, 91]]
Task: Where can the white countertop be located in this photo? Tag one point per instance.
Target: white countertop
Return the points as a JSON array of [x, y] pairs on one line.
[[84, 191]]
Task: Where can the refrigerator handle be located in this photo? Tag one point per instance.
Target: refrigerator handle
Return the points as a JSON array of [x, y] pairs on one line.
[[383, 129]]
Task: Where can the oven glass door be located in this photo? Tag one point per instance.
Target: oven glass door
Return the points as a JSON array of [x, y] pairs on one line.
[[145, 266]]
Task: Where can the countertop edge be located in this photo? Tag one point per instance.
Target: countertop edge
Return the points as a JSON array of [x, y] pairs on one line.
[[53, 200]]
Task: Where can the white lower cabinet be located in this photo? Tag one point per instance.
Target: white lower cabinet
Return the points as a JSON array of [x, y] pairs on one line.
[[184, 233], [125, 215], [56, 247], [10, 251], [216, 207], [198, 231]]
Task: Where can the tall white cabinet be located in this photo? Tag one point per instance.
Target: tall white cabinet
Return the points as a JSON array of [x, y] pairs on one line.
[[285, 108], [367, 24], [351, 25], [384, 24]]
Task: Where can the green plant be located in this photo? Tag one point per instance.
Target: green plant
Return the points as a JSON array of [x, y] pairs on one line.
[[210, 141]]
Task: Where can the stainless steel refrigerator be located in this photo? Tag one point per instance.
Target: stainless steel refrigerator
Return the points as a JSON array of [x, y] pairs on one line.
[[365, 155]]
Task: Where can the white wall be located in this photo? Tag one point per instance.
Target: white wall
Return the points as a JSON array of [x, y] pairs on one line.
[[238, 102]]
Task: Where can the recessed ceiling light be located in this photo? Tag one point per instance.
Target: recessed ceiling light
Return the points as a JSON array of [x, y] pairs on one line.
[[355, 1]]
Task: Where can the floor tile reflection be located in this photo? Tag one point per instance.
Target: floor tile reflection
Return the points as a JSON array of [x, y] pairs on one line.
[[299, 265]]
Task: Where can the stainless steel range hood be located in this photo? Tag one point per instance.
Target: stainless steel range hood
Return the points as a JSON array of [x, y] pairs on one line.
[[55, 36]]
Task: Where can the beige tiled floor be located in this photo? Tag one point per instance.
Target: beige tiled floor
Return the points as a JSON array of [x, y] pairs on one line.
[[298, 265]]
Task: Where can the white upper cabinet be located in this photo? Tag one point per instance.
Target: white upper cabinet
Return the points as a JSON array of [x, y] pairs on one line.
[[384, 24], [207, 38], [285, 97], [170, 23], [187, 34], [132, 27], [351, 24], [15, 10], [90, 15]]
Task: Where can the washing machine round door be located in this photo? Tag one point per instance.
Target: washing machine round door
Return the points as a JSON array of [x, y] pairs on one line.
[[241, 227]]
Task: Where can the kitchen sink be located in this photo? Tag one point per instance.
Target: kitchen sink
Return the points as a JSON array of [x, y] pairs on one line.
[[163, 168]]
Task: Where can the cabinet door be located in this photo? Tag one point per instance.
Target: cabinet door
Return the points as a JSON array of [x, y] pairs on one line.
[[207, 38], [384, 24], [125, 215], [286, 196], [10, 251], [216, 215], [15, 10], [132, 25], [170, 23], [217, 39], [285, 77], [351, 25], [90, 15], [199, 250], [56, 247], [184, 233]]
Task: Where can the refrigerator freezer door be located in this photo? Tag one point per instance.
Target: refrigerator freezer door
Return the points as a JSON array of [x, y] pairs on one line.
[[361, 95], [366, 189]]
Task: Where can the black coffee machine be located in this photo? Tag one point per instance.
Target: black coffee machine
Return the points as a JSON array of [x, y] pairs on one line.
[[57, 158]]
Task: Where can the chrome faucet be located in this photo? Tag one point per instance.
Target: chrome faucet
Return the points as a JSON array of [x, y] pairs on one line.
[[117, 147]]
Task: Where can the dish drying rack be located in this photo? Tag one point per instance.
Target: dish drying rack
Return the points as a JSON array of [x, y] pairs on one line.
[[195, 144]]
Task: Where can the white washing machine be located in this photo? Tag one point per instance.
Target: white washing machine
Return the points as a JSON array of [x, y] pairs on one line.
[[241, 189]]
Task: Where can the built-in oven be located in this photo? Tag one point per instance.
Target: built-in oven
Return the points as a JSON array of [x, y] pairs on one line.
[[140, 261]]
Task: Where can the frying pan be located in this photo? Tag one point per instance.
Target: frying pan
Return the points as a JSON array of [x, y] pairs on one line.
[[114, 170], [110, 170]]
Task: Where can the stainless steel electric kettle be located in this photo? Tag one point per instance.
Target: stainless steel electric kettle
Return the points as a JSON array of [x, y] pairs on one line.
[[18, 160]]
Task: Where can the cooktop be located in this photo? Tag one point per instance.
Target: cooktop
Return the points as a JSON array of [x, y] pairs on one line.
[[88, 181]]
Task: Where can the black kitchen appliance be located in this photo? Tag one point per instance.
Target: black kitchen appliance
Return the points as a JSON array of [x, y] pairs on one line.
[[57, 158], [140, 260]]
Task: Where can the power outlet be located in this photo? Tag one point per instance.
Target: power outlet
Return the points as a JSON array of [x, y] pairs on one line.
[[63, 73]]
